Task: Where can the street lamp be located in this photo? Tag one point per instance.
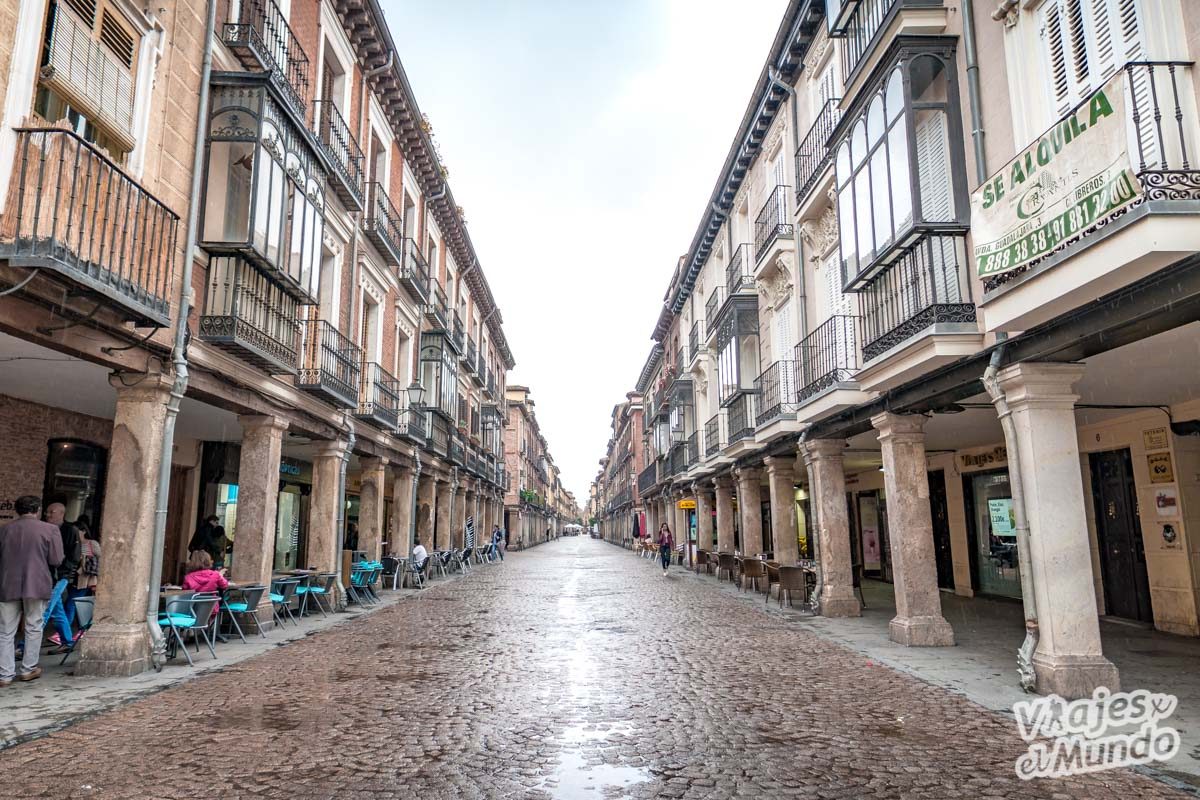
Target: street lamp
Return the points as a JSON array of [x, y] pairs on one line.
[[416, 395]]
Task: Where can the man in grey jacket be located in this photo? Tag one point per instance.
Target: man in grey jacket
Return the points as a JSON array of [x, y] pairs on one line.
[[30, 550]]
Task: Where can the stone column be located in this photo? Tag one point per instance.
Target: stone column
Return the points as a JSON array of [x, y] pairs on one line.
[[749, 491], [442, 531], [724, 494], [371, 492], [118, 643], [258, 502], [918, 620], [704, 520], [1069, 660], [323, 553], [828, 497], [781, 482], [427, 498], [402, 500]]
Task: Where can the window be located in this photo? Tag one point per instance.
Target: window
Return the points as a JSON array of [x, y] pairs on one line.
[[89, 55], [896, 178], [439, 374], [1086, 42], [737, 353]]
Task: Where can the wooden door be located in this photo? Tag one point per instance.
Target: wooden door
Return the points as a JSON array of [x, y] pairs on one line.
[[941, 529], [1119, 536]]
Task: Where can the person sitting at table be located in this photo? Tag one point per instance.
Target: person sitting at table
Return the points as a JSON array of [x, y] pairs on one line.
[[201, 577]]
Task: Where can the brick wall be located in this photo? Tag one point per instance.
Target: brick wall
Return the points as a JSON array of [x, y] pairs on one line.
[[25, 428]]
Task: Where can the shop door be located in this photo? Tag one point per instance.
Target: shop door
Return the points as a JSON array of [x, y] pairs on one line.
[[992, 533], [177, 538], [941, 529], [1119, 535]]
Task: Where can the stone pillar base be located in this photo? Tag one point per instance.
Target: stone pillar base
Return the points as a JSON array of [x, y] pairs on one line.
[[114, 650], [1073, 677], [927, 631], [837, 602]]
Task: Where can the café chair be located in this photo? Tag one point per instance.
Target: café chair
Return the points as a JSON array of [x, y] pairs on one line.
[[755, 571], [282, 593], [792, 579], [244, 602], [191, 614], [85, 608], [726, 565]]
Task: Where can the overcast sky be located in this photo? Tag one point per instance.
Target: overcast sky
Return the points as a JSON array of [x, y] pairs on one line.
[[583, 138]]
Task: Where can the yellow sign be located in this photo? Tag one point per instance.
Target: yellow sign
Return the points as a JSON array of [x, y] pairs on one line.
[[687, 504], [1155, 438], [1160, 468]]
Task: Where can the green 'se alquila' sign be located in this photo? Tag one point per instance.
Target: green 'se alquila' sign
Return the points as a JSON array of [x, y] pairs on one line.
[[1076, 173]]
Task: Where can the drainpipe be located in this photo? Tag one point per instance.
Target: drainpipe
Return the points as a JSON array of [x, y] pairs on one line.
[[972, 58], [1026, 651], [341, 516], [412, 519], [382, 68], [179, 360]]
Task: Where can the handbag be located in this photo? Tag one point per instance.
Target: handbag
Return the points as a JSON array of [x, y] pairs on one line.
[[91, 563]]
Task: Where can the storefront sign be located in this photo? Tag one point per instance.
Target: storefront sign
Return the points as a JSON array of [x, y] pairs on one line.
[[288, 468], [1166, 502], [1160, 468], [1155, 439], [686, 504], [1074, 175], [1000, 513], [997, 455]]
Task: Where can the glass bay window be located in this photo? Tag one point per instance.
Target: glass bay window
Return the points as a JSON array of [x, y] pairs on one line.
[[898, 163], [737, 350], [264, 185], [439, 374]]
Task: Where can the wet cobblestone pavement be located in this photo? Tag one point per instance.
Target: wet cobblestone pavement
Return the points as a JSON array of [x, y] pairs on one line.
[[573, 670]]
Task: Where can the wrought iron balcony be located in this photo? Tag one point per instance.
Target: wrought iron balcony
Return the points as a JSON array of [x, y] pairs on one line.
[[414, 271], [457, 336], [741, 418], [715, 299], [343, 152], [383, 225], [776, 388], [677, 459], [412, 424], [74, 211], [739, 275], [713, 442], [693, 449], [379, 397], [773, 221], [263, 41], [827, 356], [921, 289], [864, 24], [329, 362], [695, 337], [491, 382], [470, 356], [813, 154], [648, 478], [249, 315], [437, 310]]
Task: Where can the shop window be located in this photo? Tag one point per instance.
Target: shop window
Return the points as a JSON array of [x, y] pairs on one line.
[[87, 72], [75, 477], [898, 166], [265, 189]]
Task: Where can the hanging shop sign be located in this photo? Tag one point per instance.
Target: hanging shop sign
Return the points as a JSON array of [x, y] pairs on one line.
[[685, 504], [997, 455], [1074, 175], [1160, 467]]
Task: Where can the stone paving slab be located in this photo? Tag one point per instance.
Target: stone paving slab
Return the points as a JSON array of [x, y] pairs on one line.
[[573, 671]]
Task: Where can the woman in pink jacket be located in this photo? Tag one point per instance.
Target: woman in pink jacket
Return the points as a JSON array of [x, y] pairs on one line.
[[666, 545]]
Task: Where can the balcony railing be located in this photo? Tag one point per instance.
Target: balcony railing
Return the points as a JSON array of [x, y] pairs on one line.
[[414, 270], [776, 388], [677, 460], [470, 357], [437, 310], [921, 289], [864, 24], [739, 275], [827, 356], [412, 423], [648, 477], [262, 40], [343, 151], [713, 442], [457, 337], [741, 418], [491, 382], [773, 221], [379, 398], [813, 154], [329, 362], [250, 315], [73, 210], [456, 454], [715, 298], [383, 225], [695, 337], [693, 449]]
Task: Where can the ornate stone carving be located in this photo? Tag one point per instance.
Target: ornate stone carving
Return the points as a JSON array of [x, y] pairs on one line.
[[816, 53], [820, 235], [776, 284]]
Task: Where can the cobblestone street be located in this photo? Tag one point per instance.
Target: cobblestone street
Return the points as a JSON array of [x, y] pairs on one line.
[[572, 670]]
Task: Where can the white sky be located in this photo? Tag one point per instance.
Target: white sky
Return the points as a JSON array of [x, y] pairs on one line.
[[583, 138]]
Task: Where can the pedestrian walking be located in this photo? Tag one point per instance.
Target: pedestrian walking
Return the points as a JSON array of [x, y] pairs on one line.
[[30, 552], [497, 540], [61, 609], [666, 545]]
